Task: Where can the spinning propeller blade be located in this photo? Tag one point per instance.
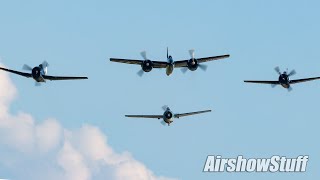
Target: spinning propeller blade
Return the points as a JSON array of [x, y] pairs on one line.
[[203, 67], [37, 84], [165, 107], [27, 67], [277, 69], [292, 72], [144, 55], [140, 73], [45, 64], [163, 122], [184, 70], [191, 52]]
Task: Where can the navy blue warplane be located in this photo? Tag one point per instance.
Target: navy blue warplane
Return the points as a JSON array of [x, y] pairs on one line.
[[39, 73], [284, 79], [191, 64], [168, 116]]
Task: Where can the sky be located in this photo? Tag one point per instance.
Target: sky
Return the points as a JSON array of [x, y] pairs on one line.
[[77, 129]]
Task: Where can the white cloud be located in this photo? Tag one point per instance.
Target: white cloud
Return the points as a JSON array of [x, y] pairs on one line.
[[48, 135], [46, 150], [73, 163]]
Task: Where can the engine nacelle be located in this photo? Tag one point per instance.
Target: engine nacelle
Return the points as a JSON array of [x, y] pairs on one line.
[[192, 64], [147, 65]]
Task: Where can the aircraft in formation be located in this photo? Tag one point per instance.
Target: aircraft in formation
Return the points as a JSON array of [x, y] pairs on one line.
[[191, 64], [39, 73], [168, 116], [284, 79]]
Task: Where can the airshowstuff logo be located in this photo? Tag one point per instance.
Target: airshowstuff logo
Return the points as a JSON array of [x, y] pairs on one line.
[[240, 164]]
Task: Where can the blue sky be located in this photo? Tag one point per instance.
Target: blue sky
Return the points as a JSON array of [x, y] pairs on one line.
[[79, 37]]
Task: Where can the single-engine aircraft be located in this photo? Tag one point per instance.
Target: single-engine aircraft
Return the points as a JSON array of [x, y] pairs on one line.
[[168, 116], [39, 73], [191, 64], [284, 79]]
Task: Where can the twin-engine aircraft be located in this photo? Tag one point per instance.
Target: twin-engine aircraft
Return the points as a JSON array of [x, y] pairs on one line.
[[191, 64], [39, 73], [284, 79], [168, 116]]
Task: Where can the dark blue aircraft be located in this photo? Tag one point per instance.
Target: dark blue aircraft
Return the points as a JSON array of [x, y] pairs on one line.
[[39, 73], [284, 79], [192, 64], [168, 116]]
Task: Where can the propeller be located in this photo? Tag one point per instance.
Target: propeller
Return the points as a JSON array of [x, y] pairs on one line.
[[277, 69], [292, 72], [144, 55], [184, 70], [289, 89], [37, 84], [26, 67], [191, 52], [45, 64], [163, 122], [203, 67], [165, 107], [140, 73]]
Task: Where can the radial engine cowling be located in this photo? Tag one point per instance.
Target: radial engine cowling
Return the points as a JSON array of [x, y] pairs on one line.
[[36, 72], [168, 115], [192, 64], [147, 65]]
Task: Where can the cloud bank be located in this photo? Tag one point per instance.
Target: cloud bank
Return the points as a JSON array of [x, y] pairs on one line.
[[46, 150]]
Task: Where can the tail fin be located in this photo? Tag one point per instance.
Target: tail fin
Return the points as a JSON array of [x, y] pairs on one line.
[[167, 53]]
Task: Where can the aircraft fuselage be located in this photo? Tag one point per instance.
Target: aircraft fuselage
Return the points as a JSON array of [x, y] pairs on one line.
[[170, 66], [169, 69], [284, 80], [37, 73], [168, 116]]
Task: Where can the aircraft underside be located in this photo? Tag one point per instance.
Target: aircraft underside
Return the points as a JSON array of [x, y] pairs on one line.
[[169, 69]]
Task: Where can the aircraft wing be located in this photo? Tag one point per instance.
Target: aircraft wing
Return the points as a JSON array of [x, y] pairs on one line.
[[159, 64], [126, 61], [156, 64], [183, 63], [54, 78], [145, 116], [28, 75], [190, 113], [303, 80], [213, 58], [263, 82]]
